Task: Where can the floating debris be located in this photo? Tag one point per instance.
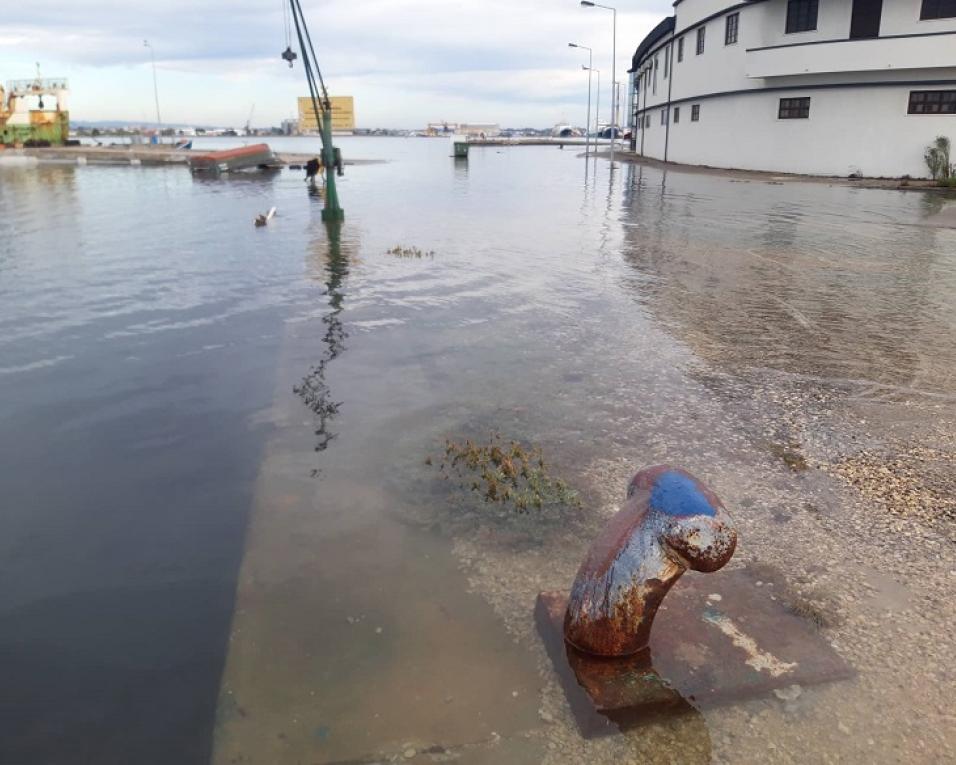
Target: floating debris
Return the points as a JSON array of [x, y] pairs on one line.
[[409, 252], [508, 474], [262, 220]]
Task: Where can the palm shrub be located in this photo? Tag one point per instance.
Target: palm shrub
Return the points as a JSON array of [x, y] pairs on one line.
[[937, 159]]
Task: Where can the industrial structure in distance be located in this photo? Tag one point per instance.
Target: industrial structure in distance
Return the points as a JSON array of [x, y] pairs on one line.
[[824, 87], [34, 112], [343, 116]]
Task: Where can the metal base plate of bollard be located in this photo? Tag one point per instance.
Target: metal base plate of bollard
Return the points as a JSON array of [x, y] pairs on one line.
[[717, 639]]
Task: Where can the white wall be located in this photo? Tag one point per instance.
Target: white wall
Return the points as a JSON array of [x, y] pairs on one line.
[[849, 130], [691, 11], [720, 67], [833, 22], [901, 17], [854, 56]]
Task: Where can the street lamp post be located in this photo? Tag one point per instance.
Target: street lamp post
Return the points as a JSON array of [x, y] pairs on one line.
[[589, 4], [587, 125], [597, 110], [617, 106], [152, 55]]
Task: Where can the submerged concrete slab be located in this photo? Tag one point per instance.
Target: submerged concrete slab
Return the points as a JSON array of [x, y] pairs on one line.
[[717, 639]]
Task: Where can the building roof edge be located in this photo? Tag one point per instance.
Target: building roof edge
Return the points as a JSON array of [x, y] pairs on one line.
[[656, 34]]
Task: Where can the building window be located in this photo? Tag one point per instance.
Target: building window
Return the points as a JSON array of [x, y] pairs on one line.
[[647, 121], [663, 116], [680, 48], [700, 40], [695, 113], [794, 109], [655, 68], [937, 9], [730, 33], [676, 114], [667, 55], [801, 15], [932, 102]]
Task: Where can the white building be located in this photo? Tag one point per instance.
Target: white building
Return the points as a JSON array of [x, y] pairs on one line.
[[828, 87]]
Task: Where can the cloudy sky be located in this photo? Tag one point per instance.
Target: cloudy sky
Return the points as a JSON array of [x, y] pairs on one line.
[[406, 62]]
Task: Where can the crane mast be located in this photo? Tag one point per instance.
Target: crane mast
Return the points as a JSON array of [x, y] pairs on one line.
[[322, 105]]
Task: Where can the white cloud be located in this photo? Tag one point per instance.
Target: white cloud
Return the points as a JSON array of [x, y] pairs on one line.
[[405, 61]]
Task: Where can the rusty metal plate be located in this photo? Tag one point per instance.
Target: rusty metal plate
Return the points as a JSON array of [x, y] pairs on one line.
[[717, 639]]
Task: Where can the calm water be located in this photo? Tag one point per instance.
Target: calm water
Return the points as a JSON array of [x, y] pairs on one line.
[[201, 564]]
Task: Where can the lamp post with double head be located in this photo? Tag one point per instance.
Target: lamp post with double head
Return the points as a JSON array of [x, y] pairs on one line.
[[589, 4], [587, 125]]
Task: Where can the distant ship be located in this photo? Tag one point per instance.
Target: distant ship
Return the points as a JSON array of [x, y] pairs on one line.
[[566, 131], [26, 118]]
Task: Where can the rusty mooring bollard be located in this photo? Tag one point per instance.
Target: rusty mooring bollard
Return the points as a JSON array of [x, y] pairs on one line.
[[670, 522]]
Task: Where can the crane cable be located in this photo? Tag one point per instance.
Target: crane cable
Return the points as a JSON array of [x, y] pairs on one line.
[[286, 23]]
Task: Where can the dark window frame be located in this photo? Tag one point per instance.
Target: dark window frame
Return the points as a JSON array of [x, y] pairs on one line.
[[676, 114], [695, 113], [933, 102], [802, 16], [794, 108], [680, 48], [732, 29], [701, 35], [930, 10]]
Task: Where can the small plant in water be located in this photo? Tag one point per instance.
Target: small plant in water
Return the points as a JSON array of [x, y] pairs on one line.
[[409, 252], [505, 473]]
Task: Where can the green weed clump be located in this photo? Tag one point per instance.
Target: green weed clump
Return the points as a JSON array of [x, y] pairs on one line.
[[507, 474], [937, 159], [409, 252]]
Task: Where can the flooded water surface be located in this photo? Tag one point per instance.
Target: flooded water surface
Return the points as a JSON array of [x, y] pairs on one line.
[[226, 536]]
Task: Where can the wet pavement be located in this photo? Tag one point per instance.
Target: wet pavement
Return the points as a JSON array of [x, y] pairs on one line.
[[222, 540]]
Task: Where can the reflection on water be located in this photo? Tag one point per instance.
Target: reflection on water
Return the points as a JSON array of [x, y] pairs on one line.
[[314, 390], [824, 282], [169, 561]]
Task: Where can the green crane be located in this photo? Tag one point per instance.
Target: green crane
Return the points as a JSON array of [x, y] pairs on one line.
[[322, 105]]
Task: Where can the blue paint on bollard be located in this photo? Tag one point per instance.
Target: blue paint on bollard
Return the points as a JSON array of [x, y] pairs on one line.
[[677, 494]]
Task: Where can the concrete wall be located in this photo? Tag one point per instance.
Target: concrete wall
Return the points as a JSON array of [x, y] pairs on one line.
[[720, 67], [901, 17], [877, 54], [833, 22], [744, 132]]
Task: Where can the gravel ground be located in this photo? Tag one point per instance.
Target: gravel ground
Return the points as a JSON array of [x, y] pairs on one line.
[[854, 514]]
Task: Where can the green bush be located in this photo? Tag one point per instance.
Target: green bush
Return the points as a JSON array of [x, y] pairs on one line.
[[937, 159]]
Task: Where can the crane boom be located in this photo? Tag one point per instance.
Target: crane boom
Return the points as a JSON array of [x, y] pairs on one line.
[[249, 118]]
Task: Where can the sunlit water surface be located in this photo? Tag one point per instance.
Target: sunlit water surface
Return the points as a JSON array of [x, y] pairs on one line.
[[199, 564]]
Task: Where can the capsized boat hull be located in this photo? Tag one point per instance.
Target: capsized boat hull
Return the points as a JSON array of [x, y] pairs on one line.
[[257, 156]]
